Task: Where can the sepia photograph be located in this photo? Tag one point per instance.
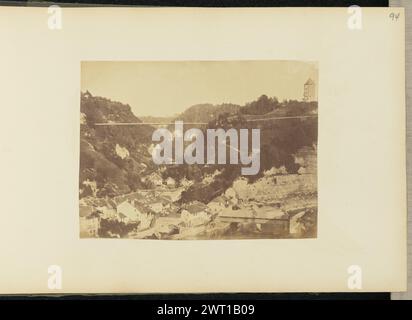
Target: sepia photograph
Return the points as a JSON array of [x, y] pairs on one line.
[[198, 150]]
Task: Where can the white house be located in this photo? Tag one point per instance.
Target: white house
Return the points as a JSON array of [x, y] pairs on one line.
[[156, 179], [121, 152], [130, 211], [170, 182], [156, 207]]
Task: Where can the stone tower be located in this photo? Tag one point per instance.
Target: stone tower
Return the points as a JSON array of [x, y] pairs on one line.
[[309, 91]]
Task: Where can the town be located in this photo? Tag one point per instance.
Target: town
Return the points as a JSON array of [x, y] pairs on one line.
[[267, 208]]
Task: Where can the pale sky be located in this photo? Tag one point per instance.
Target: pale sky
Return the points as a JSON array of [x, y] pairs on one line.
[[167, 88]]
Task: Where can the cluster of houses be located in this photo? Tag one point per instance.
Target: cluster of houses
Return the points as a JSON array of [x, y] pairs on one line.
[[276, 200], [154, 214], [157, 181], [149, 210]]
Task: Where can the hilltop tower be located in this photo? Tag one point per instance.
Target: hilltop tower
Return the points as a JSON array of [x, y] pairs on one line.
[[309, 91]]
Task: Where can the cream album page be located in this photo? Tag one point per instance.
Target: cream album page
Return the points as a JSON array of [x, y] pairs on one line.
[[151, 150]]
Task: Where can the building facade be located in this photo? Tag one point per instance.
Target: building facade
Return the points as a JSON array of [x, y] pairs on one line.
[[309, 91]]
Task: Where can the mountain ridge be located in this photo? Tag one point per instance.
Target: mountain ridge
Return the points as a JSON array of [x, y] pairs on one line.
[[116, 160]]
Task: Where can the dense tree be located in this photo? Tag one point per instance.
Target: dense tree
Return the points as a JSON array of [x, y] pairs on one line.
[[262, 105]]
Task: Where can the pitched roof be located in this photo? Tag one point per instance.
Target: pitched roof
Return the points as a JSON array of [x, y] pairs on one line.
[[195, 207], [309, 81]]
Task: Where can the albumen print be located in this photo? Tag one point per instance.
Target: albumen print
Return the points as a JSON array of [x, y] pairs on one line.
[[190, 150]]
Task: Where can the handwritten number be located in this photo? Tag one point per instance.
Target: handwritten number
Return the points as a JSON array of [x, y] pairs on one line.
[[394, 16]]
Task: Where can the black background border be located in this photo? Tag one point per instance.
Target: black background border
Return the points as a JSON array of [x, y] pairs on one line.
[[208, 3]]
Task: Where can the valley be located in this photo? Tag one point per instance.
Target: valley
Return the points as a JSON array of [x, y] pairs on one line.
[[123, 193]]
